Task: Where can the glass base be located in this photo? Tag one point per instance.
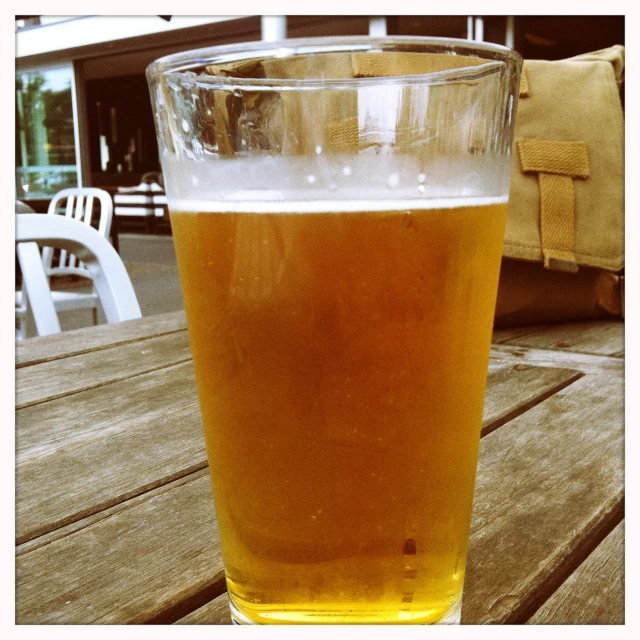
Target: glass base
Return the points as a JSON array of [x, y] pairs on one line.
[[452, 616]]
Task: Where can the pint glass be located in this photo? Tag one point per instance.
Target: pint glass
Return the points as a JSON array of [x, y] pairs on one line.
[[338, 208]]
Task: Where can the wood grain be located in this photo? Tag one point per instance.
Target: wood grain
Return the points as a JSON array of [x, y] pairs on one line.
[[594, 592], [57, 378], [82, 453], [93, 459], [114, 513], [44, 348], [512, 389], [153, 562], [584, 362], [503, 334], [605, 337], [549, 488], [85, 452], [214, 612]]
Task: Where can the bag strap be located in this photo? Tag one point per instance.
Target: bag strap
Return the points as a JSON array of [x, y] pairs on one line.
[[524, 83], [557, 163], [344, 134]]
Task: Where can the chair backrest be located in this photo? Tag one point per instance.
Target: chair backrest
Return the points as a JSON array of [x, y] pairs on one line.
[[110, 278], [77, 203]]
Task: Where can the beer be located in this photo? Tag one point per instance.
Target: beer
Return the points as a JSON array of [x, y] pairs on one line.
[[341, 352]]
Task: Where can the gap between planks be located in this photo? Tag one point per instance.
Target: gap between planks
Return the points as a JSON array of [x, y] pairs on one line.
[[80, 341], [216, 611], [37, 385], [95, 349], [103, 383], [530, 605], [100, 512], [518, 411], [188, 605], [594, 592]]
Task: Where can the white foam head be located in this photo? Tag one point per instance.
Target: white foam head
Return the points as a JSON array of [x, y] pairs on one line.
[[326, 206], [333, 182]]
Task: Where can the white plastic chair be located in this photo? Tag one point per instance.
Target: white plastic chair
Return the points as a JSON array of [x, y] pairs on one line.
[[23, 207], [76, 203], [105, 267], [22, 301]]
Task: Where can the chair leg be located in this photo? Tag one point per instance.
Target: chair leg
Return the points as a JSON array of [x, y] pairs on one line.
[[94, 310], [21, 328], [21, 316], [115, 240]]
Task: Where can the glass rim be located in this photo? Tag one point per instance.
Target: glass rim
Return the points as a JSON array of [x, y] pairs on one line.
[[187, 61]]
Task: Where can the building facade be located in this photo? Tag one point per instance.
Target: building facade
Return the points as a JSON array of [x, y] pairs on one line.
[[83, 114]]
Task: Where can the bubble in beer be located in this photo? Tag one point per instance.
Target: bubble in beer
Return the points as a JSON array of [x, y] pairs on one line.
[[409, 548], [346, 170], [393, 181], [421, 177], [318, 150], [185, 126], [311, 179]]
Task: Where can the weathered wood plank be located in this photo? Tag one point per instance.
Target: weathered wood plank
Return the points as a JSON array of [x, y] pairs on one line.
[[594, 592], [44, 348], [550, 486], [71, 469], [108, 409], [217, 612], [152, 562], [107, 512], [214, 612], [521, 489], [587, 363], [503, 334], [54, 379], [603, 337], [512, 389], [82, 453], [140, 432]]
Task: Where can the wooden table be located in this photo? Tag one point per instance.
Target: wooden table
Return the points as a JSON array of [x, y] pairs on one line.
[[115, 519]]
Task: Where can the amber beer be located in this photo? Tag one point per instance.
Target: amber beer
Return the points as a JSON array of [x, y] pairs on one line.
[[341, 354]]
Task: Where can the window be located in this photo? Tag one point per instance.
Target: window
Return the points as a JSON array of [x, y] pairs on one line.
[[45, 141]]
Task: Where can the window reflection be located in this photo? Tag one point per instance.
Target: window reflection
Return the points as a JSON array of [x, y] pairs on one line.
[[45, 143]]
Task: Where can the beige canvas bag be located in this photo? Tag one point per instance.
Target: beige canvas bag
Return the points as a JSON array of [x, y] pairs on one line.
[[564, 241]]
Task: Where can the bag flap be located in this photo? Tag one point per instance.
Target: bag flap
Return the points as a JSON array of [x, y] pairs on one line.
[[567, 182]]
